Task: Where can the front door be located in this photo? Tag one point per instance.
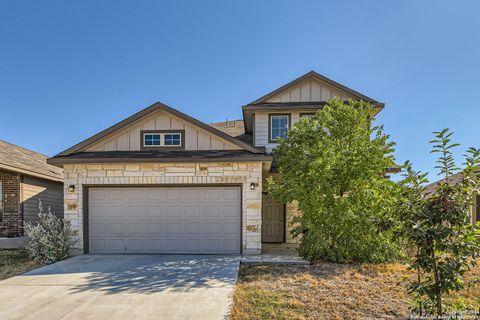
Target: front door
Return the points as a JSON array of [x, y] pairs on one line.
[[273, 220]]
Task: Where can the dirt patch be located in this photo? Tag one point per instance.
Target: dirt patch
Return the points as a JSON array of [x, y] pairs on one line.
[[332, 291], [13, 262]]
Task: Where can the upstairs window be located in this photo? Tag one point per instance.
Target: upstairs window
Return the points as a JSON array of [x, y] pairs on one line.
[[172, 139], [162, 139], [151, 140], [279, 124]]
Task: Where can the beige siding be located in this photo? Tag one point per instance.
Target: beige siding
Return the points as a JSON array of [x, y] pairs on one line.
[[310, 90], [261, 126], [128, 139], [35, 189]]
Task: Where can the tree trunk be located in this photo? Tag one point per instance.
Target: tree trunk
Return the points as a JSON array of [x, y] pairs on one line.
[[438, 292], [419, 281]]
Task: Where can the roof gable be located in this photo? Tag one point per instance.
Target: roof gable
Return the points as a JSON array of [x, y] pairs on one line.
[[311, 87], [125, 135]]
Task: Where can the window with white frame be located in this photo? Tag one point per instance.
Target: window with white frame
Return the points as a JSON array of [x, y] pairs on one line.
[[162, 139], [279, 125]]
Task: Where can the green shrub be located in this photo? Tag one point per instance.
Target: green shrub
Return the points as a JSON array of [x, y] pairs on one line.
[[50, 237], [334, 164]]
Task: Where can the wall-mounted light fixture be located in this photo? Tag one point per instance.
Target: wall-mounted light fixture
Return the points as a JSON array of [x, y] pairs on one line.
[[71, 188], [253, 185]]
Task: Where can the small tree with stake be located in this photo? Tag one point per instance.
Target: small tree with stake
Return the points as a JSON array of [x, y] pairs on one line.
[[437, 225]]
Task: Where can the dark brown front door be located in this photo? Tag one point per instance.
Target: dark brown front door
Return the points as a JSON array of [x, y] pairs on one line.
[[273, 220]]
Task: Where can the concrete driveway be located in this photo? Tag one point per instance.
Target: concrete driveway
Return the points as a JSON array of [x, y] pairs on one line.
[[123, 287]]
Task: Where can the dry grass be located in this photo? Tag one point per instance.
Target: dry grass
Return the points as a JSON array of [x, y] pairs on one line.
[[332, 291], [13, 262]]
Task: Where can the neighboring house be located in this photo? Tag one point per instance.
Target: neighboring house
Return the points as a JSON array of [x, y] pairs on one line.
[[26, 178], [163, 182], [454, 179]]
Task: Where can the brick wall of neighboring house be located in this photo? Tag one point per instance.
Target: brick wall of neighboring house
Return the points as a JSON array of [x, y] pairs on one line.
[[11, 220]]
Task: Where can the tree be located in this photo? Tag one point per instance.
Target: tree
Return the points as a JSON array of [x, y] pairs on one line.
[[436, 225], [334, 165]]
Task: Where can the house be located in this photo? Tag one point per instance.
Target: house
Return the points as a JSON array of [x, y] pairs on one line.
[[161, 181], [26, 178], [453, 180]]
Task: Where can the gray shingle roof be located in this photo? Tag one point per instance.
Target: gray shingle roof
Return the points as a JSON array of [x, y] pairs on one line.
[[18, 159]]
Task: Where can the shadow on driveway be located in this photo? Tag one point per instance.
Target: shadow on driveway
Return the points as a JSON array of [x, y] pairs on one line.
[[144, 273]]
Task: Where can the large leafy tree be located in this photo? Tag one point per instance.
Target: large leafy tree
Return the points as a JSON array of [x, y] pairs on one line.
[[436, 224], [334, 165]]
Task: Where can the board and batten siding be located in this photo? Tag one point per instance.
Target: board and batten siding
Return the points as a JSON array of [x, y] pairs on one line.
[[261, 126], [310, 90], [35, 189], [128, 138]]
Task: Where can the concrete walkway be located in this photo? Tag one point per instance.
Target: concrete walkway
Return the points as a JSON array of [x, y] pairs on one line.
[[123, 287], [282, 253]]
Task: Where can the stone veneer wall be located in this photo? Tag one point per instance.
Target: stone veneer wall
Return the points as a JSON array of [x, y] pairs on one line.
[[243, 173], [11, 224]]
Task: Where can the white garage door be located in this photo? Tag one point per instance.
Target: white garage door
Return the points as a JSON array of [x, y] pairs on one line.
[[199, 220]]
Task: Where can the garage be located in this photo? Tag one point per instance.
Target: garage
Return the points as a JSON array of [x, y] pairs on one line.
[[169, 220]]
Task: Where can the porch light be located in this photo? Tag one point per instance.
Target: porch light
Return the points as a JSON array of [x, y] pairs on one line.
[[253, 185], [71, 188]]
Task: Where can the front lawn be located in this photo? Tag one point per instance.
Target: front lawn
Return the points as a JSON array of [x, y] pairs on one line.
[[13, 262], [333, 291]]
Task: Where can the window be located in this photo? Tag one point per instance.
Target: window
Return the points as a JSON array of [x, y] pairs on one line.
[[162, 139], [172, 139], [279, 125], [151, 140]]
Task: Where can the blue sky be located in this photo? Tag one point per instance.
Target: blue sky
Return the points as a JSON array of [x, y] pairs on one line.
[[69, 69]]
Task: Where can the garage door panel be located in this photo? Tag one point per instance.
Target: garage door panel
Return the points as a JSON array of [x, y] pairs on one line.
[[153, 228], [233, 195], [231, 228], [193, 228], [134, 211], [98, 228], [174, 211], [173, 228], [213, 211], [115, 194], [115, 228], [152, 211], [135, 228], [114, 211], [231, 211], [98, 244], [213, 194], [97, 211], [165, 220], [136, 245], [115, 245]]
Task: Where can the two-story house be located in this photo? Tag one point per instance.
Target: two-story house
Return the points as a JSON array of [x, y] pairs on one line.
[[161, 181]]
